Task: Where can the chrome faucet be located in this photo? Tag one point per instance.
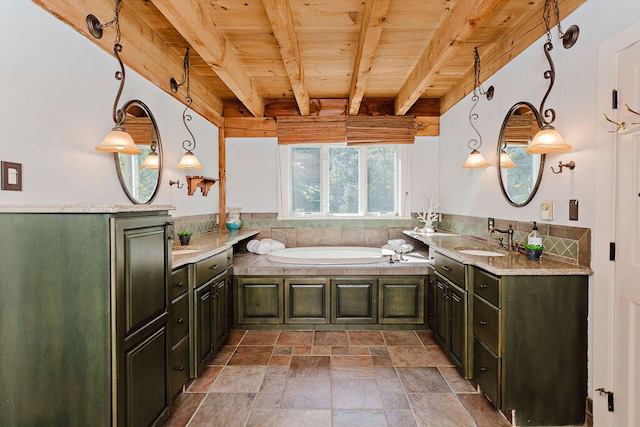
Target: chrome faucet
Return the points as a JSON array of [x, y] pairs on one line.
[[509, 232]]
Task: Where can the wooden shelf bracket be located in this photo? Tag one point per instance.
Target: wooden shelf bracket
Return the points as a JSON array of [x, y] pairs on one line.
[[203, 182]]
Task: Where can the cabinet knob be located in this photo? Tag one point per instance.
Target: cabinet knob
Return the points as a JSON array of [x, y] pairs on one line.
[[445, 268], [179, 284], [483, 369], [179, 320], [178, 368], [482, 323], [483, 286], [214, 266]]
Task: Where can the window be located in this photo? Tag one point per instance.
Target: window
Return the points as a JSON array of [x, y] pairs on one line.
[[330, 180]]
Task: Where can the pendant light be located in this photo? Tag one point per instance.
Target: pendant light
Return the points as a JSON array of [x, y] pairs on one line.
[[189, 160], [152, 161], [118, 140], [548, 139], [505, 160], [475, 159]]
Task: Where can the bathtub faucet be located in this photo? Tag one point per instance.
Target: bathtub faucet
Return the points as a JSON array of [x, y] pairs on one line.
[[509, 232]]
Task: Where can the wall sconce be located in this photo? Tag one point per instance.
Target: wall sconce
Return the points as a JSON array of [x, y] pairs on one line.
[[152, 161], [475, 159], [548, 139], [505, 159], [189, 160], [118, 140]]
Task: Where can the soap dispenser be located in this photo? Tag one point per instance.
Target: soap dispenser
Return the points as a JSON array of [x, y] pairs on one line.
[[534, 238]]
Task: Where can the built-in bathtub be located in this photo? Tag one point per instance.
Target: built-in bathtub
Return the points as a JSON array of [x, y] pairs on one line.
[[329, 255]]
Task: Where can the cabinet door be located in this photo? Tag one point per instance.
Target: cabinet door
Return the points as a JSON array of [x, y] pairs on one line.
[[441, 331], [431, 302], [219, 312], [260, 300], [401, 300], [203, 325], [306, 300], [354, 300], [145, 381], [458, 336]]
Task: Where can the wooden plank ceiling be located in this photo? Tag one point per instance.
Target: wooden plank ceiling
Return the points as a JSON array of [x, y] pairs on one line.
[[255, 60]]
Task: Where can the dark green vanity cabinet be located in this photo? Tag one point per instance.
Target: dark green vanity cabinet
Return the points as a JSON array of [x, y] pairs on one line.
[[431, 314], [84, 310], [401, 300], [332, 301], [306, 300], [451, 312], [355, 300], [530, 345], [210, 322], [179, 328], [260, 300]]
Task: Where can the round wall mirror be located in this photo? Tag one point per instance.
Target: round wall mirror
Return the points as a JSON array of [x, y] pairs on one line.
[[519, 172], [139, 181]]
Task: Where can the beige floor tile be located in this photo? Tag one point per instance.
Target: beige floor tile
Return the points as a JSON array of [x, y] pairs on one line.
[[442, 410], [457, 383], [223, 410], [296, 338], [423, 380], [356, 394], [304, 417], [309, 367], [365, 338], [482, 411], [393, 338], [203, 383], [359, 418], [352, 367], [239, 379], [260, 338], [306, 393], [410, 356]]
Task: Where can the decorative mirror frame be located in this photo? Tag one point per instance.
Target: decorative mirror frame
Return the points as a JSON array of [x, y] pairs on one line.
[[536, 114], [146, 109]]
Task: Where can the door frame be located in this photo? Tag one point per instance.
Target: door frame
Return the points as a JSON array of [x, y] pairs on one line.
[[604, 224]]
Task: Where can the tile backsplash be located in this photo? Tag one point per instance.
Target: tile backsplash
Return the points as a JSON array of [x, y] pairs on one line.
[[569, 244]]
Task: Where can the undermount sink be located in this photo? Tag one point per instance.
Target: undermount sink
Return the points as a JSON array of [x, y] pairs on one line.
[[480, 252]]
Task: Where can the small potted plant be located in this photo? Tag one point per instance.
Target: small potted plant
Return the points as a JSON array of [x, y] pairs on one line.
[[533, 251], [185, 237]]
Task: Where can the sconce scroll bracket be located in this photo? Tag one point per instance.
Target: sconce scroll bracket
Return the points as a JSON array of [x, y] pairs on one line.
[[571, 166]]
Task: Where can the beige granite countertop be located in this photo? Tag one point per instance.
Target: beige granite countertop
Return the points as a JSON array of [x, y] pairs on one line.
[[53, 208], [205, 245], [512, 264]]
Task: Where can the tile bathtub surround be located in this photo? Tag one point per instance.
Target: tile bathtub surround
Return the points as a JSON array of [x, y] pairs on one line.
[[339, 378], [564, 243]]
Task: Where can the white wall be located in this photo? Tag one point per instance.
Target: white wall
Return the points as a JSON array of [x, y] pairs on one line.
[[56, 105], [476, 192], [252, 173]]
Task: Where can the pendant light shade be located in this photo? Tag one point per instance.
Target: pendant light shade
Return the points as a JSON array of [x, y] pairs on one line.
[[151, 162], [190, 161], [505, 160], [547, 140], [118, 141], [475, 160]]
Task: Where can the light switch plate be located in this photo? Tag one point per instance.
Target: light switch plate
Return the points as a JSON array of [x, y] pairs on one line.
[[573, 210], [546, 210]]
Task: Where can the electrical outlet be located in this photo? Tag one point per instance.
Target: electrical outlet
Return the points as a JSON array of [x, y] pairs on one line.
[[546, 210], [490, 223]]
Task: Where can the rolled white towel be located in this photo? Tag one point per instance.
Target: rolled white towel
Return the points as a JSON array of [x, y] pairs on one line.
[[267, 241], [251, 245], [396, 242], [262, 248], [276, 246]]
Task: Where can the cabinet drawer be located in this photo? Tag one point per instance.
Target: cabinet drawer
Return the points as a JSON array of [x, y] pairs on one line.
[[209, 268], [179, 320], [487, 286], [179, 282], [486, 371], [451, 269], [179, 366], [486, 323]]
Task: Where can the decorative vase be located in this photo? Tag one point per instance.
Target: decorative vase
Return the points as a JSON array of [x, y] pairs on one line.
[[534, 254], [184, 240], [234, 226]]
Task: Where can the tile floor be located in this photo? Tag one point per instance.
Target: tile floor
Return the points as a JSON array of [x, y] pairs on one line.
[[326, 378]]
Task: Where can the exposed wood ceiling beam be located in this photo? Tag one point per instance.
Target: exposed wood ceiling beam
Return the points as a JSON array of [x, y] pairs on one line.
[[454, 30], [279, 13], [190, 19], [373, 20], [529, 29], [142, 51]]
